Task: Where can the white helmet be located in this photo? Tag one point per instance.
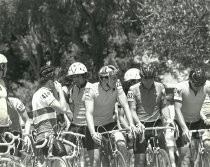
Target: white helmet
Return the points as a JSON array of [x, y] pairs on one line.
[[3, 59], [132, 73], [77, 68]]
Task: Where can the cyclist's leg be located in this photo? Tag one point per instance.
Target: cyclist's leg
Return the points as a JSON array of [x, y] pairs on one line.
[[170, 145], [139, 152], [93, 150], [121, 146]]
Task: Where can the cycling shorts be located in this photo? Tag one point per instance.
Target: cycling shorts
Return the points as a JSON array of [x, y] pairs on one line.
[[91, 145], [77, 129], [140, 148], [180, 142]]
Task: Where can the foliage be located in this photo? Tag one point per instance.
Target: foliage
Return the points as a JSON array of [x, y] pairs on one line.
[[172, 34]]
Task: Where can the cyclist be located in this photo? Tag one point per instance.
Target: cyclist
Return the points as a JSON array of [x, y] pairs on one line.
[[130, 78], [147, 103], [78, 72], [11, 110], [171, 135], [189, 97], [45, 106], [205, 116], [100, 103]]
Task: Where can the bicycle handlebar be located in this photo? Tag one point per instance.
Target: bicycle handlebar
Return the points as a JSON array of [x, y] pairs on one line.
[[43, 144], [9, 145], [199, 130], [112, 131], [159, 128], [74, 149], [72, 133], [13, 138]]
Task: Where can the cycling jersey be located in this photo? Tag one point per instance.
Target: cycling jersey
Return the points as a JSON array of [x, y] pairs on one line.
[[4, 116], [76, 100], [44, 116], [104, 102], [191, 102], [148, 102], [15, 107]]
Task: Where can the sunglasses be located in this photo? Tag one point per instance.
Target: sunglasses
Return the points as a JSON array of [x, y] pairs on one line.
[[198, 84], [148, 77]]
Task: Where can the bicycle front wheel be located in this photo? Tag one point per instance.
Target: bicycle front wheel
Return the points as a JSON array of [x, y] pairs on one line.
[[10, 162], [161, 159], [119, 160], [149, 157], [205, 159], [55, 162]]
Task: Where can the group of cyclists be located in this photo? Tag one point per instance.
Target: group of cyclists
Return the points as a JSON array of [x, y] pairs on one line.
[[92, 108]]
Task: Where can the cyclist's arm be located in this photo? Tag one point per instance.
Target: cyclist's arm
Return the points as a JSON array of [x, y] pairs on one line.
[[180, 117], [89, 105], [132, 106], [123, 101], [60, 104], [20, 107], [23, 114], [205, 109], [122, 121]]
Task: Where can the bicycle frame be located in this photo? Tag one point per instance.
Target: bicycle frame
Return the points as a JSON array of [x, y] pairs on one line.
[[155, 156], [203, 154], [109, 148]]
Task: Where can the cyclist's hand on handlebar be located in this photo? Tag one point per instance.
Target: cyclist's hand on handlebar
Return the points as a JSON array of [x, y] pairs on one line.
[[140, 127], [207, 121], [97, 138]]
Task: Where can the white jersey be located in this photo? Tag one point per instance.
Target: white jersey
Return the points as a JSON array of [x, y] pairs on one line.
[[4, 116], [44, 116]]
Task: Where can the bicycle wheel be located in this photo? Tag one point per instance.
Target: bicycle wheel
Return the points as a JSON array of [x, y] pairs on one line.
[[28, 160], [205, 161], [119, 160], [149, 157], [10, 162], [55, 162], [162, 159]]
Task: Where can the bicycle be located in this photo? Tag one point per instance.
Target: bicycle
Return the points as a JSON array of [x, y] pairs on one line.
[[110, 150], [6, 158], [155, 156], [50, 160], [77, 159], [203, 155]]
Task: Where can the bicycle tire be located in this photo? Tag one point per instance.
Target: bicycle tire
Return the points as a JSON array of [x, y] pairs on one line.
[[205, 161], [162, 159], [28, 160], [55, 162], [11, 162], [149, 157], [119, 160]]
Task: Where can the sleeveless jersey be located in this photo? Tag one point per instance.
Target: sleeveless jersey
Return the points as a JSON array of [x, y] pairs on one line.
[[4, 117], [44, 117], [148, 102], [191, 102], [76, 100], [104, 102]]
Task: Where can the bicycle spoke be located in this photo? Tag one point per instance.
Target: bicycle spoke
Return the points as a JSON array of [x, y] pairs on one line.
[[163, 159], [205, 161], [56, 162]]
